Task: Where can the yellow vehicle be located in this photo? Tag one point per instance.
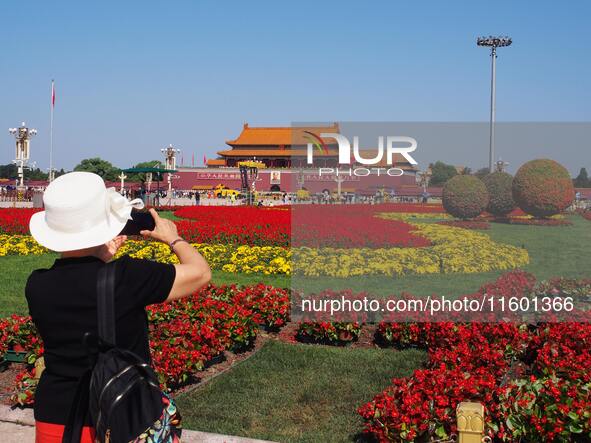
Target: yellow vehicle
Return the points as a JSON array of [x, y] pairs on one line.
[[221, 191], [303, 194]]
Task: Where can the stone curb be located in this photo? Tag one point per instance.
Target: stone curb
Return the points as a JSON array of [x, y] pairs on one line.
[[17, 426]]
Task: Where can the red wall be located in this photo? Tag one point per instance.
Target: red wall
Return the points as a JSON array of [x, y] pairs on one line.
[[211, 177]]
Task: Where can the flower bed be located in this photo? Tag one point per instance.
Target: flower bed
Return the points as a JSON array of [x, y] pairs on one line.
[[533, 380], [185, 335], [242, 225], [16, 220], [229, 258], [328, 333], [350, 226], [20, 245], [312, 226], [453, 250]]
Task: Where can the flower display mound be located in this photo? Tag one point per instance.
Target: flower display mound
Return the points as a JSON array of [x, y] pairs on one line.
[[350, 226], [305, 225], [543, 188], [452, 250], [465, 196], [500, 191], [252, 226], [533, 379], [442, 249], [244, 225], [185, 335]]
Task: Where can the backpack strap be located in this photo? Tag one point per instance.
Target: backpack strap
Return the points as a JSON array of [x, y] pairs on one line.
[[106, 303], [106, 330]]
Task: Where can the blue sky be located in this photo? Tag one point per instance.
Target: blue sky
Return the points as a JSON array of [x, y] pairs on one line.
[[134, 76]]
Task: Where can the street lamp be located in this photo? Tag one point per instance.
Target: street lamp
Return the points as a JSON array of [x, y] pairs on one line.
[[23, 137], [170, 163], [423, 178], [501, 165], [493, 43]]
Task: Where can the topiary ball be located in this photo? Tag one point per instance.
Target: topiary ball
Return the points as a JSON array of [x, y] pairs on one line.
[[465, 196], [543, 188], [500, 192]]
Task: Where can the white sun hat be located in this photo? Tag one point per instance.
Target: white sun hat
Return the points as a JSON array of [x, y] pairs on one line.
[[80, 212]]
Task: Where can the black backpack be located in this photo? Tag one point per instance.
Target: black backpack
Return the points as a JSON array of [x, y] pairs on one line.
[[120, 391]]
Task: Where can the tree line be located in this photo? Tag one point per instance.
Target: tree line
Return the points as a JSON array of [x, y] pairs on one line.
[[104, 168], [441, 172]]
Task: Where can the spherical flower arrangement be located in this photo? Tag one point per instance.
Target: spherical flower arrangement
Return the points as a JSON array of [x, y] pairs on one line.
[[465, 196], [543, 188], [499, 187]]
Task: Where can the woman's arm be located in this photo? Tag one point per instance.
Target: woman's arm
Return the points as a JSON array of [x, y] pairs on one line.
[[193, 271]]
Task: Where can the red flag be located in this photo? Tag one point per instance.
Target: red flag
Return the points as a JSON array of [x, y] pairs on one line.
[[204, 160], [52, 94]]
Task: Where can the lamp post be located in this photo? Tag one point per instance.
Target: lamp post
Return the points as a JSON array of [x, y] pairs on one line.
[[423, 179], [170, 163], [301, 179], [501, 165], [493, 43], [122, 177], [23, 137]]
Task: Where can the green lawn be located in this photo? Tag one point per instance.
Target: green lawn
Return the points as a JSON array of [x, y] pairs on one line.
[[169, 215], [15, 269], [296, 393]]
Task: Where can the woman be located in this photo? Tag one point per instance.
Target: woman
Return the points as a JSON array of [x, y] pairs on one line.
[[82, 220]]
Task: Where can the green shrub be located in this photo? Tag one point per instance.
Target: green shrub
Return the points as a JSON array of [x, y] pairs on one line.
[[465, 196], [500, 193], [543, 188]]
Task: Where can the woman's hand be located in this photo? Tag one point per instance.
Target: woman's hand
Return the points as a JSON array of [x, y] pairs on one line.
[[164, 231], [107, 251]]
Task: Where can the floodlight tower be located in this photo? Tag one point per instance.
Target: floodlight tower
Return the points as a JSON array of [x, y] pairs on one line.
[[23, 137], [493, 43]]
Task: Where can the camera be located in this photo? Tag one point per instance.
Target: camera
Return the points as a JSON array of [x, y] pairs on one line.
[[140, 221]]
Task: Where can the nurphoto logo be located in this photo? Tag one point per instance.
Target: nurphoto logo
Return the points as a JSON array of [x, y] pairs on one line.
[[388, 146]]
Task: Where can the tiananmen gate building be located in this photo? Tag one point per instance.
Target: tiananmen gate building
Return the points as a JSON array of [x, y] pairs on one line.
[[283, 150]]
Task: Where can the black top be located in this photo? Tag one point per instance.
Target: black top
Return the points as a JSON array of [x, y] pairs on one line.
[[62, 304]]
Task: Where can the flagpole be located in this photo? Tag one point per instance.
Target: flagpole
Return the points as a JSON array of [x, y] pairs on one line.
[[51, 132]]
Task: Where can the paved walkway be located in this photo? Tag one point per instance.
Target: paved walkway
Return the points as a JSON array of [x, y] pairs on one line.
[[17, 426]]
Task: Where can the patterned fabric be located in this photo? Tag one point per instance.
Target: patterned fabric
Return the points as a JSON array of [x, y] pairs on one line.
[[167, 429]]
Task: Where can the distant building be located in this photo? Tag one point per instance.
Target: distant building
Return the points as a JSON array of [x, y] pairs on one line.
[[284, 150], [277, 147]]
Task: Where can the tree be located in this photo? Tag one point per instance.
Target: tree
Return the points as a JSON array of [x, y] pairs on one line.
[[582, 180], [441, 172], [36, 174], [140, 176], [482, 172], [9, 171], [100, 167]]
